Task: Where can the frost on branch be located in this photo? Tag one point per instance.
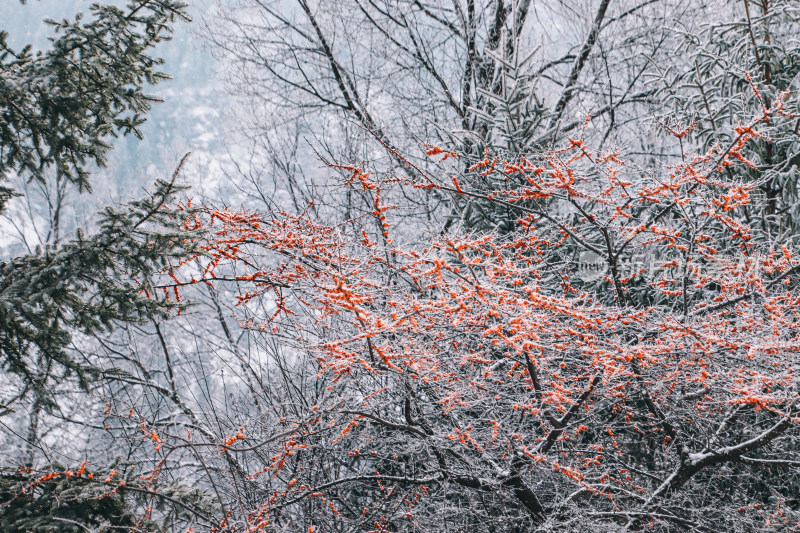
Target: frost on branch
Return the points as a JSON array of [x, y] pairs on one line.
[[485, 377]]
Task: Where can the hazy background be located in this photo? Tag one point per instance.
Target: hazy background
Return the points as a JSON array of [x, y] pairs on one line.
[[190, 119]]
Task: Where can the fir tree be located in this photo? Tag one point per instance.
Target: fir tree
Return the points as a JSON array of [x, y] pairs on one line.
[[60, 110]]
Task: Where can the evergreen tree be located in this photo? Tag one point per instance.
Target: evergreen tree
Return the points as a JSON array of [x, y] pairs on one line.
[[62, 504], [738, 67], [80, 500], [60, 109]]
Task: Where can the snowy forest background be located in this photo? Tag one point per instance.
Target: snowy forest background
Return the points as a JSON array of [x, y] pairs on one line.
[[362, 302]]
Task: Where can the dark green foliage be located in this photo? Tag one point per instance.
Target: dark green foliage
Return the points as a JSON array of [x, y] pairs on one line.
[[60, 500], [86, 285], [60, 107], [63, 505]]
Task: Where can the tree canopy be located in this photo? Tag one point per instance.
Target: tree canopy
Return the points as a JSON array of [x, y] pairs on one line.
[[480, 265]]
